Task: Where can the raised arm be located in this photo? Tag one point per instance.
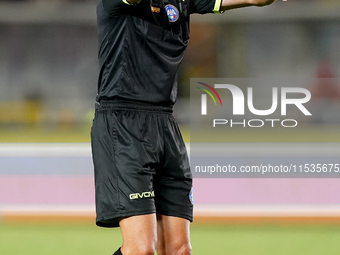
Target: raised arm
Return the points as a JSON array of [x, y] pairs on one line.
[[233, 4]]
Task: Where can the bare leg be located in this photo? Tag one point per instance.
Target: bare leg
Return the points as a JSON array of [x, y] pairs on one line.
[[139, 234], [160, 246], [173, 236]]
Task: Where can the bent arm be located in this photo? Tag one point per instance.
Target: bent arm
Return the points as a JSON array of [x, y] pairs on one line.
[[233, 4]]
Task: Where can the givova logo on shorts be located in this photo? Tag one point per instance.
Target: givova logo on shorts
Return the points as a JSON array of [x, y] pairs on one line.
[[142, 195]]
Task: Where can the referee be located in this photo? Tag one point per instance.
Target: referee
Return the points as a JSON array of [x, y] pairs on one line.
[[143, 182]]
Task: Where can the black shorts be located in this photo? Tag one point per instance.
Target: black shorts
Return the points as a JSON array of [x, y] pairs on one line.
[[140, 163]]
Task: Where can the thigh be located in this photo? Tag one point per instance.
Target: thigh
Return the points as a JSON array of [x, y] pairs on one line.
[[139, 234], [173, 235], [173, 184]]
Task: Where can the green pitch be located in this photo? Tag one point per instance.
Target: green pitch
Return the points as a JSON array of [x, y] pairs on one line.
[[85, 239]]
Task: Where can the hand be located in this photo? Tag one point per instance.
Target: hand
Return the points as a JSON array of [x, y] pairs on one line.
[[233, 4]]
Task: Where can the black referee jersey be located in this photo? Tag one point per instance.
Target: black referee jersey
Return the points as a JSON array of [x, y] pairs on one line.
[[142, 45]]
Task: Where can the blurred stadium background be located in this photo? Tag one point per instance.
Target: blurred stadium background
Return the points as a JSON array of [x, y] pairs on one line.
[[48, 76]]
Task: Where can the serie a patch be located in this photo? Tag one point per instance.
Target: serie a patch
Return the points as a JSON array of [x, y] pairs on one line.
[[155, 9], [172, 12]]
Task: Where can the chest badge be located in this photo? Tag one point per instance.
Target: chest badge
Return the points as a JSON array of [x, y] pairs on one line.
[[172, 12], [155, 9]]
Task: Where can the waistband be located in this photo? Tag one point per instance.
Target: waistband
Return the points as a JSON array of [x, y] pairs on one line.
[[130, 105]]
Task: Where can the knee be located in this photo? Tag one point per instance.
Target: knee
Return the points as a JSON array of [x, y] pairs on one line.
[[140, 250], [146, 251], [184, 249]]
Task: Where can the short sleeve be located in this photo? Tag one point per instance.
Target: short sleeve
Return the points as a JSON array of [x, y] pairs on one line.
[[112, 7], [205, 6]]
